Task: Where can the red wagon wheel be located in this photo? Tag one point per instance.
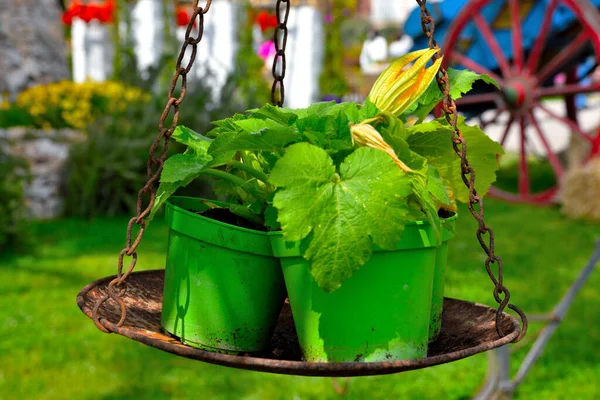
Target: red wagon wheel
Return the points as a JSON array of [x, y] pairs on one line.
[[543, 114]]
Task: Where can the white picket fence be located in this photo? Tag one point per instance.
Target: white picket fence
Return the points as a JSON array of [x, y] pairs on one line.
[[92, 51]]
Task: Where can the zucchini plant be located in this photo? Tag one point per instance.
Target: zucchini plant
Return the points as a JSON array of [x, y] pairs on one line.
[[341, 178]]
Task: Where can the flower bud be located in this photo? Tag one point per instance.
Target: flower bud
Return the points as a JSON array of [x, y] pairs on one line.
[[398, 86]]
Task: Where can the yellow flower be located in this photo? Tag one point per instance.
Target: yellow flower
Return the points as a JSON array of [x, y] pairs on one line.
[[400, 84], [75, 102]]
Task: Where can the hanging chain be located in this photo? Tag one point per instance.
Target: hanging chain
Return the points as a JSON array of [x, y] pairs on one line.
[[279, 63], [117, 287], [501, 293]]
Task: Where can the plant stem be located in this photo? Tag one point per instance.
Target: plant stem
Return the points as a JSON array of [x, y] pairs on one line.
[[249, 170], [370, 121]]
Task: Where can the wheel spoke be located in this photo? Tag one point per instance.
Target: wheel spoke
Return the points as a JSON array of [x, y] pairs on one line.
[[477, 99], [554, 161], [523, 167], [507, 131], [570, 99], [574, 127], [566, 90], [536, 52], [473, 66], [562, 57], [492, 120], [517, 35], [492, 43]]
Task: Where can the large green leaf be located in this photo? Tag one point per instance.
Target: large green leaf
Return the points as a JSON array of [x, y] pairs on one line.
[[435, 144], [341, 214]]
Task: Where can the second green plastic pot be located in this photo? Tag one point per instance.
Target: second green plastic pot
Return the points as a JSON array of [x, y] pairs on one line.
[[439, 276], [223, 288], [381, 313]]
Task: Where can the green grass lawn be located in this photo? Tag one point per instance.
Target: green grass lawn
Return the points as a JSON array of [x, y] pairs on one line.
[[50, 350]]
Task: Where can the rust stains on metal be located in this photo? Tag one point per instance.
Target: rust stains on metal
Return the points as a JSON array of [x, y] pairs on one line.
[[467, 329]]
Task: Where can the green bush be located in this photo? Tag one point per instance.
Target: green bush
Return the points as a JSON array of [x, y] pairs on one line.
[[15, 116], [106, 171], [13, 174]]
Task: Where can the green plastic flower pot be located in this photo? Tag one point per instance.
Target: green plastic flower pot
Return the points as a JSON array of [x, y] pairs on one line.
[[223, 288], [381, 313], [439, 276]]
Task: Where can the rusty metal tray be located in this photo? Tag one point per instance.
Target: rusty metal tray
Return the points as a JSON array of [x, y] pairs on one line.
[[467, 329]]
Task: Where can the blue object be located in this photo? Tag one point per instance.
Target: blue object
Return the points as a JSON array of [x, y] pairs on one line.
[[446, 11]]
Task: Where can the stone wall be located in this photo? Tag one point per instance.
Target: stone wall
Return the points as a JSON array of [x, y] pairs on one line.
[[32, 45], [46, 153]]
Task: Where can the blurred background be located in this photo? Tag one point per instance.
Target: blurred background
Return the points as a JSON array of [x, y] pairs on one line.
[[83, 83]]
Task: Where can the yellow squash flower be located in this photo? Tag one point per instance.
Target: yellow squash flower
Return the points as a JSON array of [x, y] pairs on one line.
[[401, 83]]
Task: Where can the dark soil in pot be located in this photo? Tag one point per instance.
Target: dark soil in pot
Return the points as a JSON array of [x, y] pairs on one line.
[[226, 216]]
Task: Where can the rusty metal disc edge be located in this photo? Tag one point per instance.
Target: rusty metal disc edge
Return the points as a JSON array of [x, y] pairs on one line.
[[301, 368]]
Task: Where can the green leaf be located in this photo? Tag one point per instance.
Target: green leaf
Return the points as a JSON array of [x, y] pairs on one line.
[[353, 113], [225, 126], [436, 186], [256, 126], [180, 166], [229, 123], [461, 82], [225, 146], [277, 114], [271, 218], [342, 215], [367, 111], [435, 144], [194, 141], [321, 109], [428, 205], [181, 169], [330, 132], [394, 135], [164, 191]]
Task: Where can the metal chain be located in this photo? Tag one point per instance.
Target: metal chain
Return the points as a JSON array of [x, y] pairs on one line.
[[476, 207], [118, 286], [279, 63]]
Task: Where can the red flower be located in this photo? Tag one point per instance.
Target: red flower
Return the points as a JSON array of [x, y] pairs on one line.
[[87, 12], [73, 11], [104, 12], [266, 21], [183, 18]]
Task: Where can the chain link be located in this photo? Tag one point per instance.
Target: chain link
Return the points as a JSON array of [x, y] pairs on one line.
[[279, 62], [476, 206], [118, 286]]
